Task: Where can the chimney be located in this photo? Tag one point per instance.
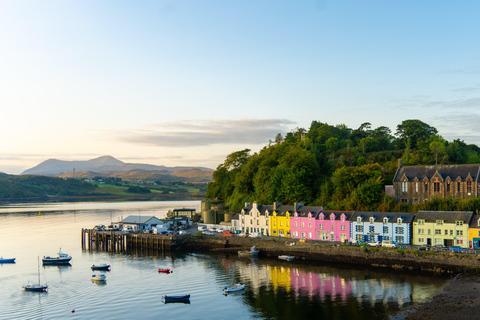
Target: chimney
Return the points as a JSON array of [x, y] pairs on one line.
[[297, 205], [247, 204], [255, 205], [276, 205]]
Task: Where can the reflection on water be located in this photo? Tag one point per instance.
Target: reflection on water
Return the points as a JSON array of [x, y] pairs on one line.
[[274, 289]]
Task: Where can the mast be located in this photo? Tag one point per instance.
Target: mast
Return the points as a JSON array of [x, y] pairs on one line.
[[38, 266]]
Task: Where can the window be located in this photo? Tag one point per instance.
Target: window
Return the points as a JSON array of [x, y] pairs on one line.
[[359, 228], [243, 221], [438, 231], [446, 232], [258, 222], [416, 187], [421, 231], [281, 223], [274, 231], [343, 218], [439, 222], [385, 220], [458, 186], [399, 230], [303, 224], [399, 220], [371, 229], [359, 219], [429, 231], [421, 221], [288, 224], [448, 186], [332, 227], [399, 239], [404, 186], [459, 241], [342, 227], [310, 235], [436, 187], [425, 188], [296, 224], [274, 223], [385, 229], [359, 237], [459, 223], [303, 235], [438, 241], [459, 232], [321, 227], [372, 220], [451, 232], [421, 240], [469, 186], [309, 225], [386, 238]]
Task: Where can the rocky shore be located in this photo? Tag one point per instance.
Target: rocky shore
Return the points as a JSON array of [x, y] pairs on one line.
[[460, 300]]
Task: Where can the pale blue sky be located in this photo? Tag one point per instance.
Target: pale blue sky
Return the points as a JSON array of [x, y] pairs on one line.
[[188, 82]]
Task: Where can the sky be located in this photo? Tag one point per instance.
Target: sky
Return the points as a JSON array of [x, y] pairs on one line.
[[187, 82]]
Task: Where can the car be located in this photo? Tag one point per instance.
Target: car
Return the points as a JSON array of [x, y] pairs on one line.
[[389, 244], [457, 249], [424, 247], [227, 234], [373, 244], [255, 235], [200, 228], [208, 233]]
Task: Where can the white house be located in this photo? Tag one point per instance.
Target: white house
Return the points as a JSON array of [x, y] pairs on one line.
[[252, 219], [140, 223]]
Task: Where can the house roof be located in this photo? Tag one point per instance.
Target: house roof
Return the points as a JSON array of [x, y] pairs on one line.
[[447, 216], [453, 171], [338, 213], [407, 217], [474, 222], [137, 219]]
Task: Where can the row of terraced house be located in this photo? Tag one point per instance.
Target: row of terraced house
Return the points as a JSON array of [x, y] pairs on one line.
[[443, 228]]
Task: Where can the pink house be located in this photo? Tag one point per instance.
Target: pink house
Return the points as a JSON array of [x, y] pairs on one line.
[[303, 223], [333, 226]]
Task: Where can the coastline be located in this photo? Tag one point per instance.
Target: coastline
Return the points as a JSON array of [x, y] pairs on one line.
[[459, 299]]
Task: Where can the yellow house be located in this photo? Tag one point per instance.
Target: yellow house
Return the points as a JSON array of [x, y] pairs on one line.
[[474, 233], [280, 221], [445, 228]]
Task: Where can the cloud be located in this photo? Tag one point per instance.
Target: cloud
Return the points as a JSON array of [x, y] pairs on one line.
[[205, 133], [472, 103], [459, 126]]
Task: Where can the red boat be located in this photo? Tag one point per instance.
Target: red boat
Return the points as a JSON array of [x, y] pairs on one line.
[[165, 271]]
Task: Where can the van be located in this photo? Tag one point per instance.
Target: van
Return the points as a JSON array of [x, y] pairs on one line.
[[389, 244], [227, 234]]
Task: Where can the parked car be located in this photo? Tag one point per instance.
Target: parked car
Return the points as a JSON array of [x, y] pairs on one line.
[[208, 233], [373, 244], [255, 235], [200, 228], [457, 249], [389, 244], [227, 234]]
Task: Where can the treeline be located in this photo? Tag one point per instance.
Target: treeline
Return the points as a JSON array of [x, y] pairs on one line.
[[337, 167], [30, 186]]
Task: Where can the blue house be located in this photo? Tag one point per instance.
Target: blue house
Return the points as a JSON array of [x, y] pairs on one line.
[[379, 226]]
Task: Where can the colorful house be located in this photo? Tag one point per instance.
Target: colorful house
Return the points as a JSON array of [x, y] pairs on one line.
[[252, 219], [334, 225], [474, 233], [304, 223], [379, 226], [279, 220], [446, 228]]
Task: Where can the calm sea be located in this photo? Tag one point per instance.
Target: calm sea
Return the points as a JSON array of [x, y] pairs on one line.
[[134, 288]]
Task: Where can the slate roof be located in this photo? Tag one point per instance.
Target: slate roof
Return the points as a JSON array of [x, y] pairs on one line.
[[474, 222], [236, 217], [338, 213], [447, 216], [452, 171], [407, 216]]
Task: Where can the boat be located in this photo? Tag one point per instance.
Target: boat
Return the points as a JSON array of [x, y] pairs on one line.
[[183, 298], [103, 266], [61, 258], [165, 271], [7, 260], [236, 287], [253, 252], [36, 287], [99, 277], [286, 257]]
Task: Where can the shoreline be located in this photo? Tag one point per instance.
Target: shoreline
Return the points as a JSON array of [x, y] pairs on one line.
[[459, 299]]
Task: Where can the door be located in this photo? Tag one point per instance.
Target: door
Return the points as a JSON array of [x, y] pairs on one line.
[[429, 241]]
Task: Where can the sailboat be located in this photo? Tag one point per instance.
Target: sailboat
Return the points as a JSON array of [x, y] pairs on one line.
[[37, 287]]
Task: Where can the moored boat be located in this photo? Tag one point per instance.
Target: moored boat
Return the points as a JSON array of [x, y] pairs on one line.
[[103, 266], [236, 287], [36, 287], [61, 258], [165, 271], [7, 260], [182, 298], [99, 277], [286, 257], [253, 252]]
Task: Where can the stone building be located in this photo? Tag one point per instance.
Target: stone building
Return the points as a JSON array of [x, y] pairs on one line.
[[415, 184]]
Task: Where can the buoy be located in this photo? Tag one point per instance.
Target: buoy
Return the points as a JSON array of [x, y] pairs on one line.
[[73, 310]]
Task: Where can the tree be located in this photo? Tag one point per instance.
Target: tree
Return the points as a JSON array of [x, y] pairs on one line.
[[437, 147], [414, 131], [236, 159]]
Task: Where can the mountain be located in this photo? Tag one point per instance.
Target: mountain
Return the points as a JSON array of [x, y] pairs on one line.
[[109, 166]]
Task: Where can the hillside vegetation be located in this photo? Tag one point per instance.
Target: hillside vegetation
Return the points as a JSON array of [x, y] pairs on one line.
[[338, 167]]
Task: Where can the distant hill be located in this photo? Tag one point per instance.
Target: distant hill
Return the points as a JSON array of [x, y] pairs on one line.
[[108, 166]]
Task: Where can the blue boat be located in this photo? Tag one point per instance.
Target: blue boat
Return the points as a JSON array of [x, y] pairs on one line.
[[184, 298], [5, 260], [61, 258]]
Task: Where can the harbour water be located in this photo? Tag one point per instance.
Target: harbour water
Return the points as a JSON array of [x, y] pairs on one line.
[[275, 289]]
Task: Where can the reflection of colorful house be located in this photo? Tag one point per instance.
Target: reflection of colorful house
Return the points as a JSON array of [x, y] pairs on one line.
[[303, 222], [334, 225], [280, 277], [474, 233], [447, 228], [379, 226], [319, 284], [279, 220]]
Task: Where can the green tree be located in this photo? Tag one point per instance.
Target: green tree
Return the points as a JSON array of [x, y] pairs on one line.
[[414, 131]]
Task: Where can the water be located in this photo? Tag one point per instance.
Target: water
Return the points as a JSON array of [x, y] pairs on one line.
[[134, 289]]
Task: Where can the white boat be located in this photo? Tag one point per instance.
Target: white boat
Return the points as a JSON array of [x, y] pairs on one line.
[[37, 287], [253, 252], [61, 258], [285, 257], [236, 287], [99, 277]]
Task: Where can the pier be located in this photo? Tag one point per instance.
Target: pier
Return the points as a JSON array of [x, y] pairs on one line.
[[119, 241]]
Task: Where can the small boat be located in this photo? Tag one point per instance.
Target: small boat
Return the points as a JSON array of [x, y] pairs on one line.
[[99, 277], [236, 287], [165, 271], [61, 258], [7, 260], [103, 266], [253, 252], [286, 258], [36, 287], [183, 298]]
